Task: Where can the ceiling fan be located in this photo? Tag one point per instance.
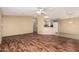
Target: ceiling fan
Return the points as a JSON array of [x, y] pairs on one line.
[[42, 11]]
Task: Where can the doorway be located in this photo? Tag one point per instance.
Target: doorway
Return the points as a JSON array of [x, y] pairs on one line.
[[55, 26], [34, 25]]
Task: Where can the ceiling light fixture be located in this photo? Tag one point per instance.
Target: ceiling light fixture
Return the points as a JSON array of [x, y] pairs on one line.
[[41, 11]]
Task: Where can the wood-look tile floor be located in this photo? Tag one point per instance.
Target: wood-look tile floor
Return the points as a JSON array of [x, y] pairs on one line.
[[38, 43]]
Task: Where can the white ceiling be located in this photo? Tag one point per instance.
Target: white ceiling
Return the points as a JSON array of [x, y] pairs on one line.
[[52, 12]]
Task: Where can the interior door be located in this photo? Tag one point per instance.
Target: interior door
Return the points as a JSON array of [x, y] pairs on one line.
[[55, 26]]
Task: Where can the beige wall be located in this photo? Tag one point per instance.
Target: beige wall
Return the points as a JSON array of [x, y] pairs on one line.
[[40, 24], [14, 25], [0, 26], [65, 26]]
